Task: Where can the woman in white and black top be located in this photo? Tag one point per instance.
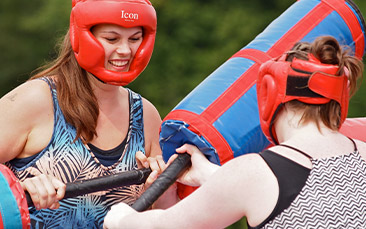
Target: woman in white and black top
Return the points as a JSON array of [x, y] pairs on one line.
[[314, 177]]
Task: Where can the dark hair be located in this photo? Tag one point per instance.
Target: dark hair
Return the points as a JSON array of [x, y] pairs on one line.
[[328, 51]]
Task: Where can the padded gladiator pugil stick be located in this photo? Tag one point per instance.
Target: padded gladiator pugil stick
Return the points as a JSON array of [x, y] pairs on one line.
[[163, 182], [133, 177]]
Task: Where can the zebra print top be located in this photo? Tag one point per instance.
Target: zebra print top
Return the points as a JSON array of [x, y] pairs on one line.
[[333, 196], [72, 162]]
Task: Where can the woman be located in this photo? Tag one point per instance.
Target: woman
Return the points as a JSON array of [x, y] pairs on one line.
[[312, 178], [73, 121]]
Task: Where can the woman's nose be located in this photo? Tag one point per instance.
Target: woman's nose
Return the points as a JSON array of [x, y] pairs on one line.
[[123, 49]]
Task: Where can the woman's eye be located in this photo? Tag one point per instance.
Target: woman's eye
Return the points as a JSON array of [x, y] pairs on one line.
[[135, 39], [110, 39]]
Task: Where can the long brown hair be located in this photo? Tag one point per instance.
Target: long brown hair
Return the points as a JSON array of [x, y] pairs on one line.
[[328, 51], [75, 95]]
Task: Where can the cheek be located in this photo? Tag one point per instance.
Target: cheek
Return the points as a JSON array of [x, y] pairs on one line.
[[108, 50], [135, 47]]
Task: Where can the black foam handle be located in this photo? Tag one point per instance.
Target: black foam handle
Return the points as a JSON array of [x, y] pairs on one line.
[[163, 182], [133, 177]]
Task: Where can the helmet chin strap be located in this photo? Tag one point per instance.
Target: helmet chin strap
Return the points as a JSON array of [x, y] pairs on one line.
[[97, 78]]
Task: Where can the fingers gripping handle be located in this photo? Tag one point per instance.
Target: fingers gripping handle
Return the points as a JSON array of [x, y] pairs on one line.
[[163, 182], [133, 177]]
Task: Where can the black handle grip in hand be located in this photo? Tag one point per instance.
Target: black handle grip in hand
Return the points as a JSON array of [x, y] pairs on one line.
[[133, 177], [163, 182]]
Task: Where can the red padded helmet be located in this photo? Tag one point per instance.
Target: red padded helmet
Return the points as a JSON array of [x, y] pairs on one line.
[[127, 13], [310, 82]]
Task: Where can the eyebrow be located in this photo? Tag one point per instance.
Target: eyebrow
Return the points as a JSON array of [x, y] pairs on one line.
[[113, 32]]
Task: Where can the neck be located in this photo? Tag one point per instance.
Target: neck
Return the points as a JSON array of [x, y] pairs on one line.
[[288, 127], [106, 94]]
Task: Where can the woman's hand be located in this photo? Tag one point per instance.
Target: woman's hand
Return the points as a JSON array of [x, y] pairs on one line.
[[201, 168], [45, 191], [156, 164], [117, 212]]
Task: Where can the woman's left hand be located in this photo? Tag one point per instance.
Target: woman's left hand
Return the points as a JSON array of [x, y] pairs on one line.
[[117, 212], [157, 166], [44, 190]]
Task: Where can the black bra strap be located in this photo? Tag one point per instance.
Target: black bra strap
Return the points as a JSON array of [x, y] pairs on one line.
[[293, 148], [307, 155], [354, 144]]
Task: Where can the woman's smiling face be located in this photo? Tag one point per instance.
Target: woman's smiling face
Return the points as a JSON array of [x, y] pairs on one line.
[[120, 45]]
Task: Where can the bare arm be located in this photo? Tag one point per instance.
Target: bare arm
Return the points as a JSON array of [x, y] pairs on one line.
[[26, 125], [153, 158], [25, 112], [232, 192], [152, 123]]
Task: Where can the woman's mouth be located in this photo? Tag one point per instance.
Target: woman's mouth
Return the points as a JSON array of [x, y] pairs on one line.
[[119, 65]]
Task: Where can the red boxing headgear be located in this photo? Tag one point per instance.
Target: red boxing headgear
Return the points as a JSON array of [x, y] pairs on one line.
[[310, 82], [127, 13]]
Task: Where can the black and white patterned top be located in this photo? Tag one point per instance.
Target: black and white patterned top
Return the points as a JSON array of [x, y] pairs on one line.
[[334, 196]]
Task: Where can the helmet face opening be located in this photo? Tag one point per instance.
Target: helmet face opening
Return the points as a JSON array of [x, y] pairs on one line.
[[90, 53]]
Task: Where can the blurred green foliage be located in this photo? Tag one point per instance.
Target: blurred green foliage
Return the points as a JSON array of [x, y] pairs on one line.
[[194, 38]]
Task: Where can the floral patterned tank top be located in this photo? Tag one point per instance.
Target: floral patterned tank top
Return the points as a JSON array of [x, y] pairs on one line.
[[71, 161]]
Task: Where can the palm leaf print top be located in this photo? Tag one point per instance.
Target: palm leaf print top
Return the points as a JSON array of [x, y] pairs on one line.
[[71, 161]]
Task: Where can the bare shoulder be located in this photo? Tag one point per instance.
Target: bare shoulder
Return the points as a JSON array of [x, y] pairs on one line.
[[361, 146], [247, 180], [152, 123], [152, 119], [150, 111], [248, 169], [250, 166], [23, 110], [32, 94]]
